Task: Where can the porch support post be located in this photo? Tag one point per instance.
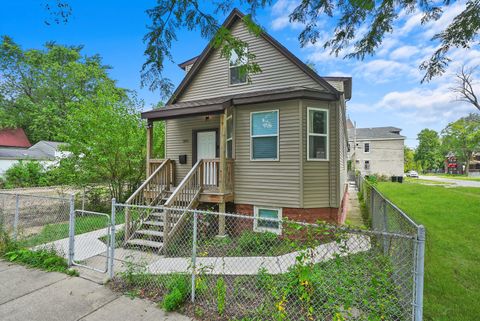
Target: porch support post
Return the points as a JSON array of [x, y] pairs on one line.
[[149, 145], [222, 171]]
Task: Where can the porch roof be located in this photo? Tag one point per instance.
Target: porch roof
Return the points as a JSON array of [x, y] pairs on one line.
[[218, 104]]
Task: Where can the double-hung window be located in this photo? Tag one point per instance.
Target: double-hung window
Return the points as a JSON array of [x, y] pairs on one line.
[[264, 135], [229, 150], [366, 147], [317, 134], [367, 165], [271, 219], [238, 74]]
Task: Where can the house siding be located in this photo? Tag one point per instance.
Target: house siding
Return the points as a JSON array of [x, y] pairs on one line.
[[212, 79], [272, 183], [385, 156], [321, 178], [180, 133]]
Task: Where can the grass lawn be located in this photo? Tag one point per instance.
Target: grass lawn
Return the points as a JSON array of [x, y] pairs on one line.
[[57, 231], [452, 220]]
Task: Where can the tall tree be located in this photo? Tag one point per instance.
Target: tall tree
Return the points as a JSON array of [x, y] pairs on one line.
[[37, 86], [360, 25], [463, 137], [409, 159], [106, 139], [428, 152]]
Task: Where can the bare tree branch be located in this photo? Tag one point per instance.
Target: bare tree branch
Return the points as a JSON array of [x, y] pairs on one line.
[[464, 86]]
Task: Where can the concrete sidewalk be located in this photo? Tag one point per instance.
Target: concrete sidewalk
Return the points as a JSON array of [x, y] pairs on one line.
[[33, 295]]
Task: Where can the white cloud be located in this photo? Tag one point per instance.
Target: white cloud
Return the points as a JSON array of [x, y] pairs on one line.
[[383, 71], [281, 11], [433, 106], [404, 52], [361, 107]]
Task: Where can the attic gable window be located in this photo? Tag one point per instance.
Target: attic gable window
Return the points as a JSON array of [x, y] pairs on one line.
[[237, 77]]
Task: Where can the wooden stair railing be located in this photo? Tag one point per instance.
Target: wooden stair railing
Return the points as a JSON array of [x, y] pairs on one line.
[[184, 198], [152, 190]]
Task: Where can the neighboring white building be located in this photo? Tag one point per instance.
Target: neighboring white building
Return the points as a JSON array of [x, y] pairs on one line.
[[46, 152], [377, 150]]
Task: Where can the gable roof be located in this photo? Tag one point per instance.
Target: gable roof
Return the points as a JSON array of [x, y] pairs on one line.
[[218, 104], [14, 137], [43, 150], [228, 23], [375, 133]]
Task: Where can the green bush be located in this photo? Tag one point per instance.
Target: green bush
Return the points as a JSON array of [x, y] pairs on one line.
[[178, 290], [44, 259], [254, 242], [26, 174]]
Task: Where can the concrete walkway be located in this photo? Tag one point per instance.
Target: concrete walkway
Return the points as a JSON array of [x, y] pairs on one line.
[[90, 250], [33, 295], [457, 182], [354, 215]]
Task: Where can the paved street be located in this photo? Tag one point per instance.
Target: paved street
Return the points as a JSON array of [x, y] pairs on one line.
[[458, 182], [33, 295]]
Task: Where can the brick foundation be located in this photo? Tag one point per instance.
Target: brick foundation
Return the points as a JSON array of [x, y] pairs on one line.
[[308, 215]]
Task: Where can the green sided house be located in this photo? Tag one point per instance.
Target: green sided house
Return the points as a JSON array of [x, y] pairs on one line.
[[273, 144]]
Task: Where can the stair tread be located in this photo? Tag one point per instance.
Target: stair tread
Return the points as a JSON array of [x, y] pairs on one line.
[[150, 232], [155, 223], [142, 242]]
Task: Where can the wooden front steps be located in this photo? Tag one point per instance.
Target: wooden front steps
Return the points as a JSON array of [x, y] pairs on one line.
[[150, 233]]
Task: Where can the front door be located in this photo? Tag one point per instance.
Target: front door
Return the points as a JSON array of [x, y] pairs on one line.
[[206, 149]]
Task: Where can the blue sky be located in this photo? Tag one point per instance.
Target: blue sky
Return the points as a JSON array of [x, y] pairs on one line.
[[386, 87]]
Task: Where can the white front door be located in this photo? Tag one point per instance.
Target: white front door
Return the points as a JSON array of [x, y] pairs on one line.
[[206, 149]]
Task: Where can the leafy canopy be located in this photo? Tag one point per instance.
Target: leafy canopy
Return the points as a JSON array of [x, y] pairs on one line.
[[463, 136], [38, 86], [428, 152]]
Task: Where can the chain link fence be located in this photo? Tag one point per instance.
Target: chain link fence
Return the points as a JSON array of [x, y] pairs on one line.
[[385, 216], [266, 269], [223, 266]]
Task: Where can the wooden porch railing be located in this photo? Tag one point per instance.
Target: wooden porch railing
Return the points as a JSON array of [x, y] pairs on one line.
[[204, 175], [153, 189], [184, 197], [211, 173]]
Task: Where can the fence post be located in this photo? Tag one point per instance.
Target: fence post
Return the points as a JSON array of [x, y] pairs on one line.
[[419, 273], [111, 256], [16, 218], [386, 244], [71, 231], [194, 254], [372, 207]]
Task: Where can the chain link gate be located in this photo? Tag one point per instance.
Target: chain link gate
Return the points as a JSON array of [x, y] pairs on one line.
[[90, 240]]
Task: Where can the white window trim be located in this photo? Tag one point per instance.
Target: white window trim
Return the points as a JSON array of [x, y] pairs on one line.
[[229, 139], [256, 228], [230, 73], [369, 147], [369, 164], [252, 137], [319, 135]]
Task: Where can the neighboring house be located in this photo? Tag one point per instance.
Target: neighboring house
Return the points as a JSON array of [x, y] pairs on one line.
[[14, 138], [377, 150], [452, 165], [474, 168], [272, 147], [46, 152]]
